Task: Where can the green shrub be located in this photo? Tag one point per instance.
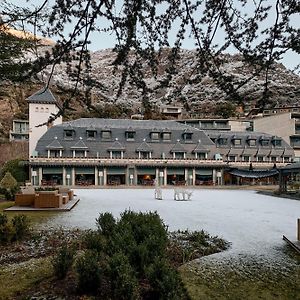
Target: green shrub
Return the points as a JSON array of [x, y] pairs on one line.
[[89, 273], [16, 168], [5, 230], [124, 283], [165, 282], [106, 224], [142, 237], [92, 240], [63, 261], [21, 227], [9, 186]]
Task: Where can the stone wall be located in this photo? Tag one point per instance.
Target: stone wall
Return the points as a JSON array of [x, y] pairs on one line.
[[13, 150]]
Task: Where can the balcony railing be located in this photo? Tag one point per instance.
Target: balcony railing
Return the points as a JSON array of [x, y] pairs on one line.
[[151, 162]]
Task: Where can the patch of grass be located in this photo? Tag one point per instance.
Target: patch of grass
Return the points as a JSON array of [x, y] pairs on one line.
[[249, 282], [16, 279]]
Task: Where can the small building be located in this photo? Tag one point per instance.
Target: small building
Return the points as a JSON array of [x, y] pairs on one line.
[[285, 125], [174, 112], [20, 130], [219, 124]]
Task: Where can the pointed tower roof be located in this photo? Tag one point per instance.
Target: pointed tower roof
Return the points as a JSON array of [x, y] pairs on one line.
[[79, 145], [178, 148], [44, 95], [55, 144]]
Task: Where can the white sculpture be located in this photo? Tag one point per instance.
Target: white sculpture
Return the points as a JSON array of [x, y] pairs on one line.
[[158, 191], [182, 194]]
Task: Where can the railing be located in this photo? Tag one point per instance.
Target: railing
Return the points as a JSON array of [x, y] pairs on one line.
[[151, 161]]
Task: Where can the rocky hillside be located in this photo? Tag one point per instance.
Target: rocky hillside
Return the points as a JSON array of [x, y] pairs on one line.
[[198, 94], [200, 97]]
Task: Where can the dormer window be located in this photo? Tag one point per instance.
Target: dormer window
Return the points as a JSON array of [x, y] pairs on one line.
[[155, 136], [222, 141], [69, 134], [130, 135], [277, 142], [265, 143], [252, 143], [106, 134], [237, 142], [91, 134], [187, 136], [166, 136]]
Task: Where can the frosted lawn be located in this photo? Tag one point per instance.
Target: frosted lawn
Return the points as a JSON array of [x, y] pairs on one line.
[[253, 223]]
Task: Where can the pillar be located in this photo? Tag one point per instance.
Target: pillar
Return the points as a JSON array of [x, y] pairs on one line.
[[194, 176], [104, 176], [127, 179], [73, 176], [186, 176], [214, 175], [96, 176], [298, 234], [165, 176], [40, 176], [64, 176]]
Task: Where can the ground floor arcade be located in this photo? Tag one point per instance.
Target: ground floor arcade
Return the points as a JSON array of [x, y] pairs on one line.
[[125, 175]]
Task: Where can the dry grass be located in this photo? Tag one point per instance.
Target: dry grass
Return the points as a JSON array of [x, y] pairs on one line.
[[16, 279]]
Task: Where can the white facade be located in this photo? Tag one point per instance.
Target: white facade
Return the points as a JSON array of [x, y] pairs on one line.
[[39, 113]]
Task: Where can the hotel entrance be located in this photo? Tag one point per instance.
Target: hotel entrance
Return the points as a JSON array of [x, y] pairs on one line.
[[52, 176], [84, 176], [146, 176], [116, 176], [175, 176], [204, 176]]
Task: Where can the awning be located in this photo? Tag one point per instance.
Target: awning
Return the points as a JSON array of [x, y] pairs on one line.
[[52, 170], [116, 171], [146, 171], [255, 174], [85, 170], [203, 172], [175, 171]]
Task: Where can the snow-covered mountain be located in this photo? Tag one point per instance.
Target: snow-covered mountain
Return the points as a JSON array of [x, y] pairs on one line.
[[284, 85], [200, 97]]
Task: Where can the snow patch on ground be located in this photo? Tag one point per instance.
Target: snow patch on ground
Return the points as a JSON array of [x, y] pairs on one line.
[[252, 222]]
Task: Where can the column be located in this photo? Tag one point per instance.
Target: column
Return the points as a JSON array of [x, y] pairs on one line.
[[127, 179], [40, 176], [298, 235], [165, 176], [157, 175], [186, 176], [104, 176], [194, 176], [214, 175], [73, 176], [96, 176], [64, 176]]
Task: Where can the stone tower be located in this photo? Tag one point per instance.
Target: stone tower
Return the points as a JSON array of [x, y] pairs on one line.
[[42, 105]]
